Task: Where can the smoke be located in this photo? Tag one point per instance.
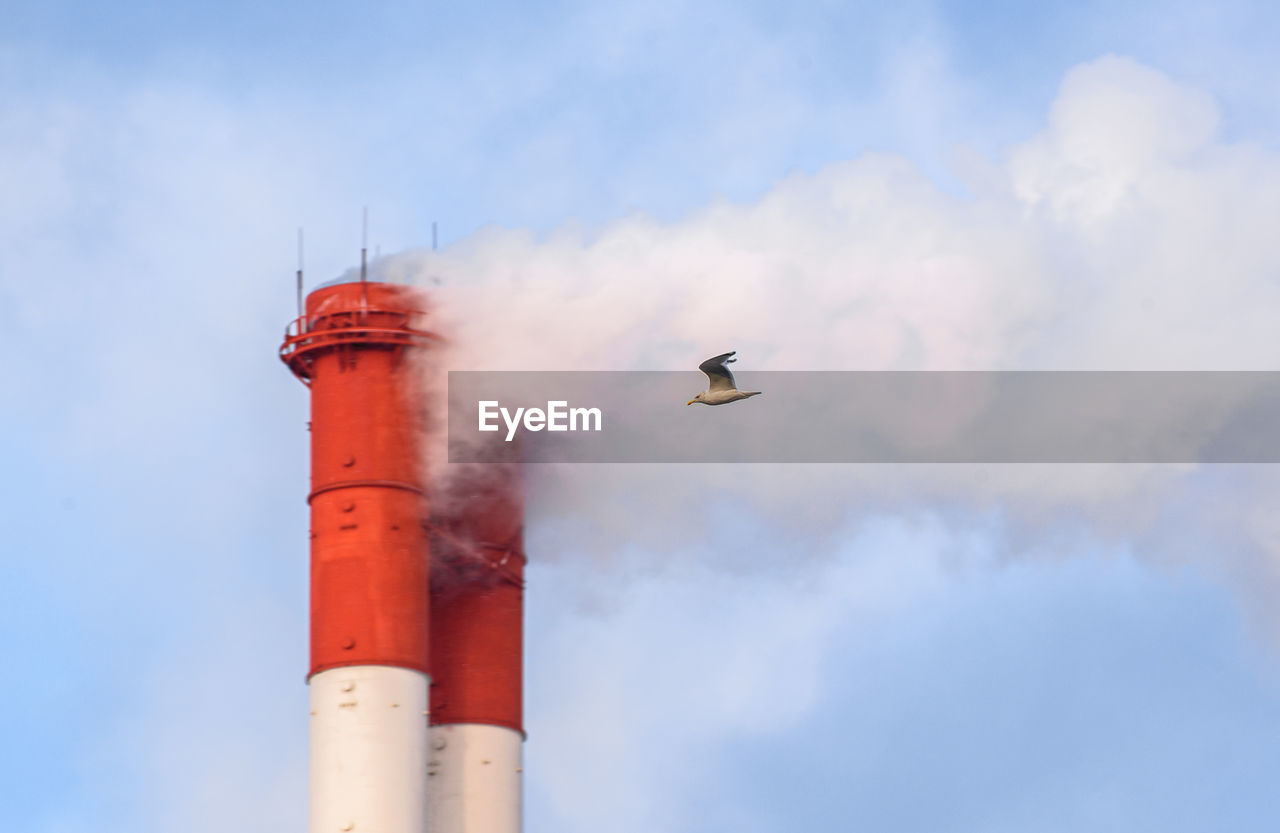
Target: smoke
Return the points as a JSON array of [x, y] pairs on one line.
[[1124, 235]]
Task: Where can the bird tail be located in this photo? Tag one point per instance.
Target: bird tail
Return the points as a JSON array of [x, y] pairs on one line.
[[751, 393]]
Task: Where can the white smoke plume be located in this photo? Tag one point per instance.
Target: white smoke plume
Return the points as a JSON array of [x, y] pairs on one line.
[[1125, 235]]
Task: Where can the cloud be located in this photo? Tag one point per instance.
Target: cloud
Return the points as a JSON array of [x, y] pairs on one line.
[[148, 229], [1114, 123], [866, 264], [718, 656], [1123, 235], [1046, 695]]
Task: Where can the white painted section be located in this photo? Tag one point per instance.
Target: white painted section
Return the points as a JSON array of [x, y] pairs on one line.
[[368, 750], [475, 773]]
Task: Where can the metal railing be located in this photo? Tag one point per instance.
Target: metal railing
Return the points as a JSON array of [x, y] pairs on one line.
[[366, 326]]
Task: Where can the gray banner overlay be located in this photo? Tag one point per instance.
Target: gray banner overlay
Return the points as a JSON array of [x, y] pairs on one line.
[[870, 417]]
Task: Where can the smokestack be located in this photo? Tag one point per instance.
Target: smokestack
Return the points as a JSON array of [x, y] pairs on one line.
[[477, 611], [369, 670], [416, 610]]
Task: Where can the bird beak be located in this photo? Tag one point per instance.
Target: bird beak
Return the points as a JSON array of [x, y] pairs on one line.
[[690, 402]]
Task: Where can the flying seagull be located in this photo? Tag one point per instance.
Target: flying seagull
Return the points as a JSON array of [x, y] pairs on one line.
[[722, 388]]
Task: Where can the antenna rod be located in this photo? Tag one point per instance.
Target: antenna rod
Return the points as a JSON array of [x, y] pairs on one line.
[[364, 248], [433, 235], [299, 272]]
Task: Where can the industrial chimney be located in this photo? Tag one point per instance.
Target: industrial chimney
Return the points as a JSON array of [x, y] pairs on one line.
[[416, 609]]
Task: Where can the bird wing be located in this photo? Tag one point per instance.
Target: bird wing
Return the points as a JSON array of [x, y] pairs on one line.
[[717, 371]]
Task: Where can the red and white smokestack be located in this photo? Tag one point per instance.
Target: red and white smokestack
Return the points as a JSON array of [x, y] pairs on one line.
[[477, 611], [370, 610], [416, 715]]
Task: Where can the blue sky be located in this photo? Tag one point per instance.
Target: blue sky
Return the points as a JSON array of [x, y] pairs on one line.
[[936, 185]]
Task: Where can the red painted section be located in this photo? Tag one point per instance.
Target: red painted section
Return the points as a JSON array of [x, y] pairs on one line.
[[356, 348], [477, 600], [376, 545]]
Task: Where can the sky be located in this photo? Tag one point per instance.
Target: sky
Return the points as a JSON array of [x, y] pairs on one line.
[[638, 186]]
